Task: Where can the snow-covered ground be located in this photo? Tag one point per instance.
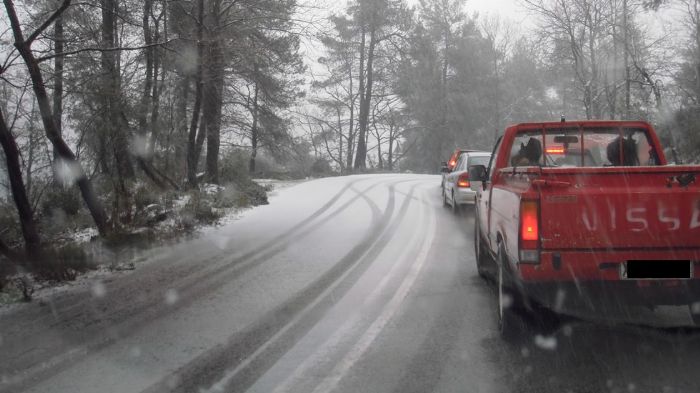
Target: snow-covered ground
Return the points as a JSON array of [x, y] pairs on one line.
[[122, 263]]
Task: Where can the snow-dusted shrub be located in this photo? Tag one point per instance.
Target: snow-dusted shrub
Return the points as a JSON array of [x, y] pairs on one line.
[[145, 196], [61, 264], [233, 166], [67, 201], [199, 209]]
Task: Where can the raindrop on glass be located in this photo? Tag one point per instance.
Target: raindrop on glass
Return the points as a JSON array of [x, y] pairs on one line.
[[173, 382], [546, 343], [171, 297], [99, 290], [695, 308], [507, 300], [568, 330]]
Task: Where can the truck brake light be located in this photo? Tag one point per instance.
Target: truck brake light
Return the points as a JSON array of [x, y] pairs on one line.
[[556, 150], [529, 228], [463, 181], [529, 232]]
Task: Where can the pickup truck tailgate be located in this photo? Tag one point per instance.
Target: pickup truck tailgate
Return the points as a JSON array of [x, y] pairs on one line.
[[619, 208]]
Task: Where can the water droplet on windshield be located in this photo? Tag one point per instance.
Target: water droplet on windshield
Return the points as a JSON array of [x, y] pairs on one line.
[[568, 330], [546, 343], [631, 387], [559, 300], [140, 145], [695, 308], [507, 300], [171, 297], [68, 172], [173, 382], [525, 352], [98, 289], [135, 352]]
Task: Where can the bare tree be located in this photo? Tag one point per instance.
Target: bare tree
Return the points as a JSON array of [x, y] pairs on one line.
[[52, 133]]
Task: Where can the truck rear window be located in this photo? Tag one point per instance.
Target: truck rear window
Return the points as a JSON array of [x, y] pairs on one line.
[[587, 147]]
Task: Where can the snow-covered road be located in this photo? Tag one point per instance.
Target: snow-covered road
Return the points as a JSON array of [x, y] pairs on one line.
[[362, 283]]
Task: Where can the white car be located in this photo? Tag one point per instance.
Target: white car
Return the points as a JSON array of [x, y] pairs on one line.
[[456, 191]]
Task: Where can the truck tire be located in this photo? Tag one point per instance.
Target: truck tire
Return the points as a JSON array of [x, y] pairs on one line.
[[455, 206], [694, 316], [510, 325], [480, 253]]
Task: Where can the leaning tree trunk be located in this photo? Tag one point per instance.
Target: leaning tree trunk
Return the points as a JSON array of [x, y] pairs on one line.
[[19, 194], [60, 147], [58, 76], [58, 83]]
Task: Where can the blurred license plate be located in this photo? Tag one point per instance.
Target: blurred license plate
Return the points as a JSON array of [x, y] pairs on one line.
[[656, 270]]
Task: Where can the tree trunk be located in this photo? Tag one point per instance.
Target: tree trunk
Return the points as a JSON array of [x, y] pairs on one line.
[[30, 155], [180, 128], [351, 130], [625, 35], [59, 47], [60, 147], [213, 103], [254, 132], [146, 98], [114, 119], [58, 76], [361, 94], [390, 153], [19, 194], [339, 119], [192, 156], [361, 153]]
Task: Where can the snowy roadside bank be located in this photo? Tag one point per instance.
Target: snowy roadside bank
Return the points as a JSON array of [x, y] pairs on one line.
[[140, 246]]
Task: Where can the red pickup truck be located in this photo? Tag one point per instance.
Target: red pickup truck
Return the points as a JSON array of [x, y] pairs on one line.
[[591, 211]]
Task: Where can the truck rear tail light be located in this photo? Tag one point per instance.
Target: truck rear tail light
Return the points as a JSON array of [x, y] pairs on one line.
[[529, 232], [463, 181], [529, 228]]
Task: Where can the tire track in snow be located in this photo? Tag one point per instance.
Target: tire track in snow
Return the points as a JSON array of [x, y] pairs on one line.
[[135, 314], [249, 353], [325, 350]]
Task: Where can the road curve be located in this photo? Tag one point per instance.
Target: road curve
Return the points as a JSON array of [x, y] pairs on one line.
[[361, 283]]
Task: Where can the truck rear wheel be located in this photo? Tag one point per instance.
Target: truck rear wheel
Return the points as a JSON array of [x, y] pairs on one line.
[[480, 253], [694, 312], [510, 325]]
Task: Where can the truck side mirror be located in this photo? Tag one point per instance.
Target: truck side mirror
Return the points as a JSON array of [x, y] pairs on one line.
[[477, 176], [444, 168]]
